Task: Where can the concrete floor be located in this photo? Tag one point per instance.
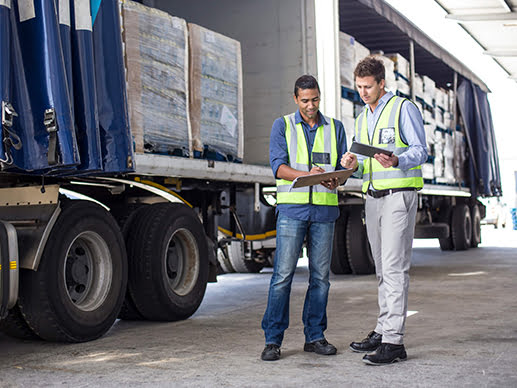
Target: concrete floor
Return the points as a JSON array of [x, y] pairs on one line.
[[462, 332]]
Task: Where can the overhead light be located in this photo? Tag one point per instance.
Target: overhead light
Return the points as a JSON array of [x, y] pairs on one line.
[[501, 53], [487, 17]]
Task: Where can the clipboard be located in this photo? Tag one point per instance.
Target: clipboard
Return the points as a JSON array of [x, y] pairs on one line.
[[368, 150], [316, 179]]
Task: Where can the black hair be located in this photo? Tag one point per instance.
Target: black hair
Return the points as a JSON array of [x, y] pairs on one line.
[[370, 66], [305, 82]]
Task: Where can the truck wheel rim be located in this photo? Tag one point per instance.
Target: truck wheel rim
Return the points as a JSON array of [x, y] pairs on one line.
[[182, 262], [88, 271]]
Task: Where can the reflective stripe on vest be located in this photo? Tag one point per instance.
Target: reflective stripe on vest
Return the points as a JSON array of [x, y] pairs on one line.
[[386, 129], [324, 154]]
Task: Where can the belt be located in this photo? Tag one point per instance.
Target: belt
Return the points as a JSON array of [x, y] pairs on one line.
[[383, 193]]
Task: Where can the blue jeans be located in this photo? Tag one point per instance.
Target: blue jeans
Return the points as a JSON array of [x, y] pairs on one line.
[[290, 234]]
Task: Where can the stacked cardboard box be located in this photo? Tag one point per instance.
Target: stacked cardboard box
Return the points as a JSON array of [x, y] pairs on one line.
[[348, 119], [419, 86], [401, 65], [429, 90], [439, 144], [350, 53], [448, 157], [460, 152], [389, 67], [403, 73], [216, 111], [156, 56]]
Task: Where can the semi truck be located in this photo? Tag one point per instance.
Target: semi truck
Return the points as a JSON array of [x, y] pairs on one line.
[[94, 228]]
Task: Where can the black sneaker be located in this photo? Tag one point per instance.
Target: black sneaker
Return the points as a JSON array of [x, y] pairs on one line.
[[320, 347], [369, 344], [386, 354], [270, 353]]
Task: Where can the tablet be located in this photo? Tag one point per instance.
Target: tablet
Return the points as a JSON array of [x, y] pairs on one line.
[[368, 150]]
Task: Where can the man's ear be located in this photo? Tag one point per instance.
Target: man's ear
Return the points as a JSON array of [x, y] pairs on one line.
[[382, 84]]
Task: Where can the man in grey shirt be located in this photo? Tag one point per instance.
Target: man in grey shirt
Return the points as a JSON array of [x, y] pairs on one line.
[[390, 184]]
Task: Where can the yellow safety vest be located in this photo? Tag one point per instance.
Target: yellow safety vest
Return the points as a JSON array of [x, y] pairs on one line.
[[324, 154], [386, 135]]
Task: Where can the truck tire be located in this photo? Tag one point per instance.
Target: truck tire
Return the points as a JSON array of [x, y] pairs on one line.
[[238, 259], [129, 312], [14, 325], [224, 264], [461, 227], [358, 248], [78, 289], [475, 215], [168, 262], [446, 243], [339, 263]]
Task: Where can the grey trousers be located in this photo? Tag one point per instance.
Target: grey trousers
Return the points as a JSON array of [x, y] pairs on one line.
[[390, 223]]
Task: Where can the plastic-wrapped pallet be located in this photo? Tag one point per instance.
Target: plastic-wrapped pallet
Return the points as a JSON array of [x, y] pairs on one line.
[[216, 111], [403, 86], [350, 53], [361, 52], [447, 120], [156, 55], [452, 100], [442, 98], [439, 118], [346, 59], [448, 170], [448, 149], [419, 86], [401, 64], [460, 151], [429, 136], [348, 124], [428, 171], [429, 117], [389, 67], [429, 90], [347, 108], [439, 142]]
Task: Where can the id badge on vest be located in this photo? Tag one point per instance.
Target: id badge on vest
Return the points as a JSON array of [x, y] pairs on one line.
[[387, 135]]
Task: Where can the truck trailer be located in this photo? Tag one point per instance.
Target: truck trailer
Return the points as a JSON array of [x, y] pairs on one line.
[[102, 221]]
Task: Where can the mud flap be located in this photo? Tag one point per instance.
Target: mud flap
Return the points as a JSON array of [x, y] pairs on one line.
[[8, 267]]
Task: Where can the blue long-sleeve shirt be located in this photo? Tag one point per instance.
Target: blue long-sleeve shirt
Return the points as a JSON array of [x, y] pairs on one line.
[[278, 155], [411, 131]]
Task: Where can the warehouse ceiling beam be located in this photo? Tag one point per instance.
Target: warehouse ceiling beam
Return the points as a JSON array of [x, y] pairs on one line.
[[488, 17]]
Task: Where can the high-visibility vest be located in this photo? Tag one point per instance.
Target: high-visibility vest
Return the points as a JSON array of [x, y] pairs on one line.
[[386, 135], [324, 154]]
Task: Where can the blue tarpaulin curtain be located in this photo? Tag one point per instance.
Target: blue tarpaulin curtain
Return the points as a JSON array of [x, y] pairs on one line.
[[484, 174]]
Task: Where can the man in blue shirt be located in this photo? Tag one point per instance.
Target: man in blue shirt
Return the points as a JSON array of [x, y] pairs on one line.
[[390, 184], [302, 143]]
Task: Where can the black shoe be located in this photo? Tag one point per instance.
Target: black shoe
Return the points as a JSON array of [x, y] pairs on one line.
[[369, 344], [270, 353], [320, 347], [386, 354]]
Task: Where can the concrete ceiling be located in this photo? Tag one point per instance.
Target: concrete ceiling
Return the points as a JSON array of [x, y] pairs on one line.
[[492, 23]]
